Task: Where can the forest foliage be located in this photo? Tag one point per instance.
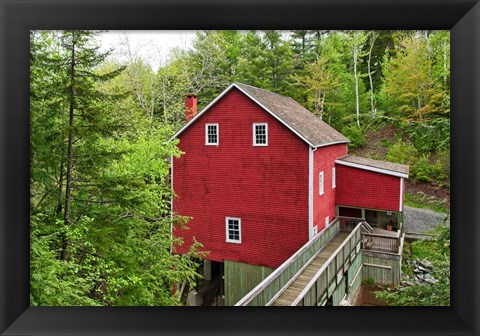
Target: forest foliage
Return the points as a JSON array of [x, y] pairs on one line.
[[99, 150]]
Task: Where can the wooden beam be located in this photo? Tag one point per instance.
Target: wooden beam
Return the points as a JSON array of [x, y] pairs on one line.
[[378, 266]]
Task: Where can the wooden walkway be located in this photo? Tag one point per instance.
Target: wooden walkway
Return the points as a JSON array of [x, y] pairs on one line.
[[296, 287]]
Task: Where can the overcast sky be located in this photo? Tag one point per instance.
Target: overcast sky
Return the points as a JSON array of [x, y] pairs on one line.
[[153, 46]]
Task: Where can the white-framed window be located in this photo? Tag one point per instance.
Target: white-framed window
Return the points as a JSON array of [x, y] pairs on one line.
[[327, 221], [315, 230], [320, 183], [260, 134], [233, 230], [334, 182], [211, 134]]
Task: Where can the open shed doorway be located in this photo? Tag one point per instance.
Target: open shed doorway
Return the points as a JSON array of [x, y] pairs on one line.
[[213, 285], [349, 212], [385, 220]]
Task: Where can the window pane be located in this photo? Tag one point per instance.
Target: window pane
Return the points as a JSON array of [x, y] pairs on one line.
[[212, 134], [233, 230], [260, 134]]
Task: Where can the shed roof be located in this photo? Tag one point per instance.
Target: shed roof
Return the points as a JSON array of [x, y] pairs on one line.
[[301, 121], [375, 165]]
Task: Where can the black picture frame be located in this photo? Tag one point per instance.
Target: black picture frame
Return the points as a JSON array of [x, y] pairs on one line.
[[18, 17]]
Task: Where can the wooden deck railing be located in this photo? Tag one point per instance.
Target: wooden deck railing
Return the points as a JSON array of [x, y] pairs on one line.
[[381, 243], [325, 280], [263, 293], [348, 224]]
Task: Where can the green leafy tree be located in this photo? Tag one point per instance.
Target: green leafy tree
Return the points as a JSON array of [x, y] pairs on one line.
[[341, 104], [317, 83], [139, 77], [101, 219], [211, 63], [415, 89], [409, 88]]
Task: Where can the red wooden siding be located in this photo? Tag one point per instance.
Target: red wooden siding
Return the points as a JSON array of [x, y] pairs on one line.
[[366, 189], [267, 187], [324, 205]]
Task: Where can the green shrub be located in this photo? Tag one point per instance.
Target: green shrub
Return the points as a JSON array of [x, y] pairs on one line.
[[422, 169], [355, 135], [421, 166], [369, 281], [430, 135], [441, 168], [402, 152]]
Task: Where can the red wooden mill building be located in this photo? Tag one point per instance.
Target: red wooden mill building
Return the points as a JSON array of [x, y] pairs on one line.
[[261, 176]]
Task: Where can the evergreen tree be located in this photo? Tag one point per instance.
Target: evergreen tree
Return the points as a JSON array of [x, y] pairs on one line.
[[266, 61], [102, 225]]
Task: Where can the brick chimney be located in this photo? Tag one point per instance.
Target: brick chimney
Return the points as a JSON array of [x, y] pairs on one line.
[[190, 106]]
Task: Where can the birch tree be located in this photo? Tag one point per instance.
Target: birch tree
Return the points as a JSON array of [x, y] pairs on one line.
[[357, 40], [140, 76], [373, 37]]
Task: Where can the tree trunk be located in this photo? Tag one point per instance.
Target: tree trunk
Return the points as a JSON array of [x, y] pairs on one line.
[[372, 102], [68, 187], [318, 103], [60, 190], [355, 53], [322, 106]]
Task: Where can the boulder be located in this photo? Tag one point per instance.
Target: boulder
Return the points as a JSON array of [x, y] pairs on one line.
[[425, 263]]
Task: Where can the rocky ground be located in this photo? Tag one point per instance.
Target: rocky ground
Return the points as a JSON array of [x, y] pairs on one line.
[[422, 270]]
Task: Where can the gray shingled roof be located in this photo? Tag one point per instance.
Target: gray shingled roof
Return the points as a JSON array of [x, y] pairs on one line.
[[312, 128], [394, 167]]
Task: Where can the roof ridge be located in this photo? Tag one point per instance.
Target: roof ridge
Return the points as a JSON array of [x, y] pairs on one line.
[[382, 164], [270, 92], [372, 159]]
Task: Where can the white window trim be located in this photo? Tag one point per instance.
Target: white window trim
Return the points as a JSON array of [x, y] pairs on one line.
[[254, 134], [321, 183], [327, 221], [206, 135], [334, 178], [239, 241]]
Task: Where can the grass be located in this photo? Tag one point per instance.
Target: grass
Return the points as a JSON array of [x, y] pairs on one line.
[[425, 249], [385, 143], [421, 200]]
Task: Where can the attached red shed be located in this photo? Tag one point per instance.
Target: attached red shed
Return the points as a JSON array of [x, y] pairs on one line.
[[371, 189]]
